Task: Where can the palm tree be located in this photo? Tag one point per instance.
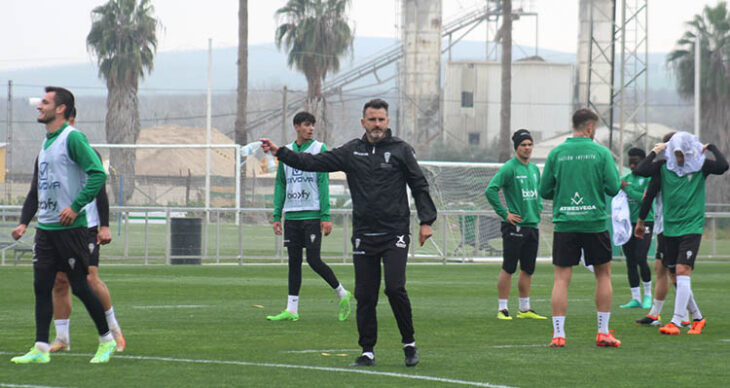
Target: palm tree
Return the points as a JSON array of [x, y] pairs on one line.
[[123, 38], [712, 28], [505, 112], [316, 35], [241, 135]]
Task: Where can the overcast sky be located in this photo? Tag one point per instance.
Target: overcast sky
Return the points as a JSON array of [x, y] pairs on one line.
[[48, 32]]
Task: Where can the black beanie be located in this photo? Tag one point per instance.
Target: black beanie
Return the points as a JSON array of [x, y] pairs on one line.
[[521, 135]]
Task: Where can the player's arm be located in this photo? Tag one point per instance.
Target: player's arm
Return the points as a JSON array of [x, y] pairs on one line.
[[648, 166], [547, 181], [323, 187], [279, 196], [328, 161], [81, 152], [419, 190], [499, 180], [717, 166], [104, 236], [612, 182], [634, 192], [648, 199], [30, 205]]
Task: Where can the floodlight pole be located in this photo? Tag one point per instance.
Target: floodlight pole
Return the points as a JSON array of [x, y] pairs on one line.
[[698, 49]]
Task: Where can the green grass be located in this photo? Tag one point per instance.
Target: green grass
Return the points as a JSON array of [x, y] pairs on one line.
[[171, 313]]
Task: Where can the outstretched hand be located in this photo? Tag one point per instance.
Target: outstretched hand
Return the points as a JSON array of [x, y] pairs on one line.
[[269, 146]]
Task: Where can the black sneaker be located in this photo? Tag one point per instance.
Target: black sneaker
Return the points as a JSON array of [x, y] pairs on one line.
[[411, 353], [649, 321], [365, 361]]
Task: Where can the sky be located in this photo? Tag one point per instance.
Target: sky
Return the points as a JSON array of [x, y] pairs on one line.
[[51, 32]]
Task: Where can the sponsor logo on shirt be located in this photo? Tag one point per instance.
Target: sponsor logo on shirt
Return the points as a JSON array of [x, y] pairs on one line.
[[577, 205], [529, 194], [48, 204], [43, 182], [359, 153], [304, 194], [298, 177]]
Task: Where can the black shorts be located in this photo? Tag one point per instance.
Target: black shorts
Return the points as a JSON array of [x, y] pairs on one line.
[[519, 244], [302, 234], [681, 250], [636, 249], [660, 247], [395, 245], [63, 250], [567, 248], [93, 247]]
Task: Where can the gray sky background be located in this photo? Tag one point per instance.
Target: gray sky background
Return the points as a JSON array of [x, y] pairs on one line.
[[50, 32]]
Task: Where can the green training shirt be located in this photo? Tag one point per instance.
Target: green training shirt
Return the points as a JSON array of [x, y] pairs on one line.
[[323, 213], [519, 183], [577, 176], [635, 191], [683, 199]]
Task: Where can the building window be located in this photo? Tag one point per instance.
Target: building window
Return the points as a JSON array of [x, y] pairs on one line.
[[474, 138], [467, 99]]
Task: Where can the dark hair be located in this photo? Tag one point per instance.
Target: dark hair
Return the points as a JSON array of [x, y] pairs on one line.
[[582, 116], [63, 97], [376, 103], [301, 117], [668, 136], [637, 152]]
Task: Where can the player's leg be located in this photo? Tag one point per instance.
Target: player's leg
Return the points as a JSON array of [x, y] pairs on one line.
[[528, 258], [510, 252], [313, 243], [661, 286], [687, 247], [395, 258], [61, 313], [44, 276], [366, 261], [597, 248], [566, 254], [629, 249], [294, 243], [642, 251]]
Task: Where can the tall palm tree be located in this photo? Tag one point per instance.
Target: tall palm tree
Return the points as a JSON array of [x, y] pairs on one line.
[[241, 134], [712, 28], [505, 112], [316, 35], [123, 38]]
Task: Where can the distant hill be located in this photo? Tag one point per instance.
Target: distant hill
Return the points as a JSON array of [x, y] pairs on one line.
[[185, 72]]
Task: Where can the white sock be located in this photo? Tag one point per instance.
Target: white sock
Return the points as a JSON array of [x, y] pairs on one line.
[[292, 304], [524, 304], [412, 344], [62, 329], [369, 355], [111, 320], [106, 337], [647, 288], [341, 291], [692, 307], [43, 346], [502, 304], [636, 293], [558, 327], [684, 290], [603, 319], [656, 308]]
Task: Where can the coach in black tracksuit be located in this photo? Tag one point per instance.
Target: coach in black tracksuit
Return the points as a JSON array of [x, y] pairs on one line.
[[378, 167]]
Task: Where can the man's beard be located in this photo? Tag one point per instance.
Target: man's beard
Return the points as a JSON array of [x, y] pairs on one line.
[[45, 119]]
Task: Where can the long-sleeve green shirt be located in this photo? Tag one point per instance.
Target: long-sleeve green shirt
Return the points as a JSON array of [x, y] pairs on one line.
[[635, 191], [519, 183], [323, 213], [80, 152], [577, 176]]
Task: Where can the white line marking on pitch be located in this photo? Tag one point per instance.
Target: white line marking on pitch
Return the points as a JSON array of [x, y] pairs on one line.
[[173, 306], [27, 386], [320, 351], [291, 366], [518, 346], [725, 340]]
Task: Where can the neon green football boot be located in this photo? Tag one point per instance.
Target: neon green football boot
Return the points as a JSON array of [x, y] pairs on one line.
[[283, 316], [531, 314], [345, 307], [104, 352], [34, 356]]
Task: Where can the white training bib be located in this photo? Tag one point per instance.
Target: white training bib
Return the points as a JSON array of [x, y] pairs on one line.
[[302, 192], [60, 179]]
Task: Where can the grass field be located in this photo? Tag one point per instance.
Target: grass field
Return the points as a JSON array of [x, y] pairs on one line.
[[199, 326]]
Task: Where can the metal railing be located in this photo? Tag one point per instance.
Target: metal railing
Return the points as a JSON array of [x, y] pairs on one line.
[[142, 235]]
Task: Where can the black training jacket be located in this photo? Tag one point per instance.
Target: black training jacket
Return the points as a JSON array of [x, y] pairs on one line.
[[377, 174]]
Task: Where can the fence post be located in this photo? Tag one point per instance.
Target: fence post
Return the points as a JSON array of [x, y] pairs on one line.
[[240, 237], [126, 234], [167, 236], [218, 237], [445, 233], [146, 236]]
